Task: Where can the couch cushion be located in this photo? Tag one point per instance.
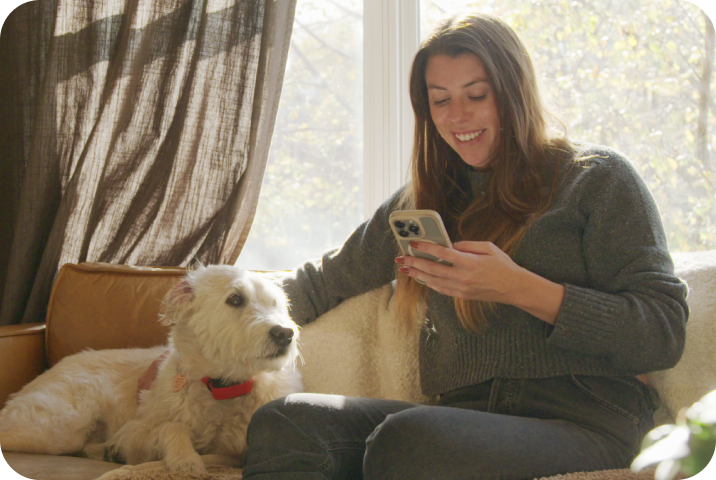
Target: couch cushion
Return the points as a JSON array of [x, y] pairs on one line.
[[100, 306], [53, 467], [695, 374]]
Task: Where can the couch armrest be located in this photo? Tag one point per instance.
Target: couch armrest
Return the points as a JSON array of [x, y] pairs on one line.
[[22, 356]]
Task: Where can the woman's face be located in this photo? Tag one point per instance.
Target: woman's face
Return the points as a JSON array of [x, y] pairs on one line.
[[463, 107]]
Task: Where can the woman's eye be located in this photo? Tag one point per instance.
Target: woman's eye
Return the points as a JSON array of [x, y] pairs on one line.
[[440, 102], [235, 300], [478, 99]]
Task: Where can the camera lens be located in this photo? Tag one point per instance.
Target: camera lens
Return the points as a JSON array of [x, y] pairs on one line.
[[403, 233], [399, 224], [414, 229]]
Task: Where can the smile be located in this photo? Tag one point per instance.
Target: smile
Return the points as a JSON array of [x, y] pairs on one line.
[[466, 137]]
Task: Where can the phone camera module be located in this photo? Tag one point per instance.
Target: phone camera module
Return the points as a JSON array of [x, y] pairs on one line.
[[414, 229], [403, 233], [399, 224]]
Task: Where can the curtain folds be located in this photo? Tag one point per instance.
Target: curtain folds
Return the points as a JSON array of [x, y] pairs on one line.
[[132, 131]]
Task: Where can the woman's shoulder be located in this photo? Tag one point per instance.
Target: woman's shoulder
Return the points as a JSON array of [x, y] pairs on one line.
[[592, 154], [600, 163], [594, 171]]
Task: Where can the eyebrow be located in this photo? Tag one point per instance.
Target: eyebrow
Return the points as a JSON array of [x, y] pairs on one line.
[[469, 84]]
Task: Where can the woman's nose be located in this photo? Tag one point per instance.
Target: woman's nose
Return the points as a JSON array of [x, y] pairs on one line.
[[458, 111]]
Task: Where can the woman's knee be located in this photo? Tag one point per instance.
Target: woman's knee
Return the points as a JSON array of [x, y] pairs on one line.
[[400, 446], [264, 420], [281, 441], [288, 413]]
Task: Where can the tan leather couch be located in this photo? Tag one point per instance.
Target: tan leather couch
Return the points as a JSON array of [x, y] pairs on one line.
[[94, 306]]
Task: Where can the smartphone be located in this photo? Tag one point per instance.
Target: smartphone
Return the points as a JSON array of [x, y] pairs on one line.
[[419, 226]]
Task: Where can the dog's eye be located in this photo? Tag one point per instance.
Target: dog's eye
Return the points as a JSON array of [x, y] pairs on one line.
[[235, 300]]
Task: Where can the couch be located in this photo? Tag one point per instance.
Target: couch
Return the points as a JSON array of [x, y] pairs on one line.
[[356, 349]]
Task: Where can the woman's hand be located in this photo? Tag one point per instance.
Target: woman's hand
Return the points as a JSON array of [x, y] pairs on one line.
[[149, 375], [481, 271]]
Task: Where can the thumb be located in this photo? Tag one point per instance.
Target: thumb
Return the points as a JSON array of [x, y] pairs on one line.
[[477, 248]]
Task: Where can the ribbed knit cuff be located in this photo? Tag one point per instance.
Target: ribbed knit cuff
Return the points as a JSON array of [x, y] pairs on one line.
[[589, 320]]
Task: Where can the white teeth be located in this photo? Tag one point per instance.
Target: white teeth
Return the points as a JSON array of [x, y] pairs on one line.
[[468, 136]]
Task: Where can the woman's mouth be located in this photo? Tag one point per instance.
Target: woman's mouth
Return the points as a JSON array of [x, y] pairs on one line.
[[468, 136]]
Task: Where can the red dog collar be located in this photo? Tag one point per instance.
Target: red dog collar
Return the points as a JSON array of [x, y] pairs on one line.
[[220, 391]]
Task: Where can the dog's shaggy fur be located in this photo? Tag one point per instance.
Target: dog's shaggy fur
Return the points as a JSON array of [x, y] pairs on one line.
[[228, 324]]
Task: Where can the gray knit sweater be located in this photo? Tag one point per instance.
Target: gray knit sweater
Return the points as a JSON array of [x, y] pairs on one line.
[[624, 312]]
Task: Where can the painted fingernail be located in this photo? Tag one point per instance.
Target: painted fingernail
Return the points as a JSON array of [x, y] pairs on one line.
[[400, 260], [415, 245], [404, 270]]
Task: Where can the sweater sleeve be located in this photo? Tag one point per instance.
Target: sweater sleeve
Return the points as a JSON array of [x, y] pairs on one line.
[[633, 309], [364, 262]]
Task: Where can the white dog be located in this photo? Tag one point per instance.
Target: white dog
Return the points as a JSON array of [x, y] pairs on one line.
[[232, 348]]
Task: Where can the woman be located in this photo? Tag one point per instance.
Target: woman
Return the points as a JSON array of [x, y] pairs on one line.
[[561, 293]]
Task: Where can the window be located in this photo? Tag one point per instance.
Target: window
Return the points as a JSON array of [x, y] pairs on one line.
[[631, 75], [312, 194]]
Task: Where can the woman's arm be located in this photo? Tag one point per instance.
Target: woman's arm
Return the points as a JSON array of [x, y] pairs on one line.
[[364, 262], [481, 271]]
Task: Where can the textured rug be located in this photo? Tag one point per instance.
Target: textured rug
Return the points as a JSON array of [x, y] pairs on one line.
[[215, 473], [155, 471], [621, 474], [220, 467]]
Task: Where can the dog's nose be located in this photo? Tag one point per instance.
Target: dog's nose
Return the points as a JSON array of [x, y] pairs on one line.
[[281, 335]]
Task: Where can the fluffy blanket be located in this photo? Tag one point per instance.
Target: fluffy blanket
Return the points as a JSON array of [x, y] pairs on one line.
[[695, 374]]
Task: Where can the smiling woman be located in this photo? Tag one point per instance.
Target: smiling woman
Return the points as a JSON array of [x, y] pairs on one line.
[[463, 107]]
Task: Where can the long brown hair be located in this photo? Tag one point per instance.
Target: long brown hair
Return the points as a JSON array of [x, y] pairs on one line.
[[524, 168]]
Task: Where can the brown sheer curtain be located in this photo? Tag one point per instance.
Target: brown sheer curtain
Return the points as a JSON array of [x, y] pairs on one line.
[[132, 131]]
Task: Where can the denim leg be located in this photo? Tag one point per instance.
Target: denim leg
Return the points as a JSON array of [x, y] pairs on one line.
[[313, 437], [514, 430], [452, 443], [506, 429]]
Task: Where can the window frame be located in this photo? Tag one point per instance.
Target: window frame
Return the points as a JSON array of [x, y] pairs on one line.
[[391, 30]]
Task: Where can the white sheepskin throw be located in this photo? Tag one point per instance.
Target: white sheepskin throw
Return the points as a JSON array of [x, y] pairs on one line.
[[695, 374], [358, 349]]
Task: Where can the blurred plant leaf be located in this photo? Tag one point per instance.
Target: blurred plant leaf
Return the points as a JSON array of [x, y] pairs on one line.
[[686, 447]]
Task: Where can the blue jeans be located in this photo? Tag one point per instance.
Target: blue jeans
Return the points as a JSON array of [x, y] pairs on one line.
[[500, 429]]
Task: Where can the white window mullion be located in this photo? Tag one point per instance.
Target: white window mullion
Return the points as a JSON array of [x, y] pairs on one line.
[[390, 39]]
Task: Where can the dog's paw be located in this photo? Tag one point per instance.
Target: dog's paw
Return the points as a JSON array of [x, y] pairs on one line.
[[95, 451], [188, 464]]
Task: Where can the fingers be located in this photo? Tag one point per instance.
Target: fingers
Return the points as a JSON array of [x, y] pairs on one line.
[[479, 270], [479, 248], [427, 271], [436, 250], [418, 265]]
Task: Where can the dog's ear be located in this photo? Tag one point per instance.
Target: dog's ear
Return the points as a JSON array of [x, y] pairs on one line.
[[175, 299]]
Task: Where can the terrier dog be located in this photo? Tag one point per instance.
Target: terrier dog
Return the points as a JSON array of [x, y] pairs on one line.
[[231, 349]]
